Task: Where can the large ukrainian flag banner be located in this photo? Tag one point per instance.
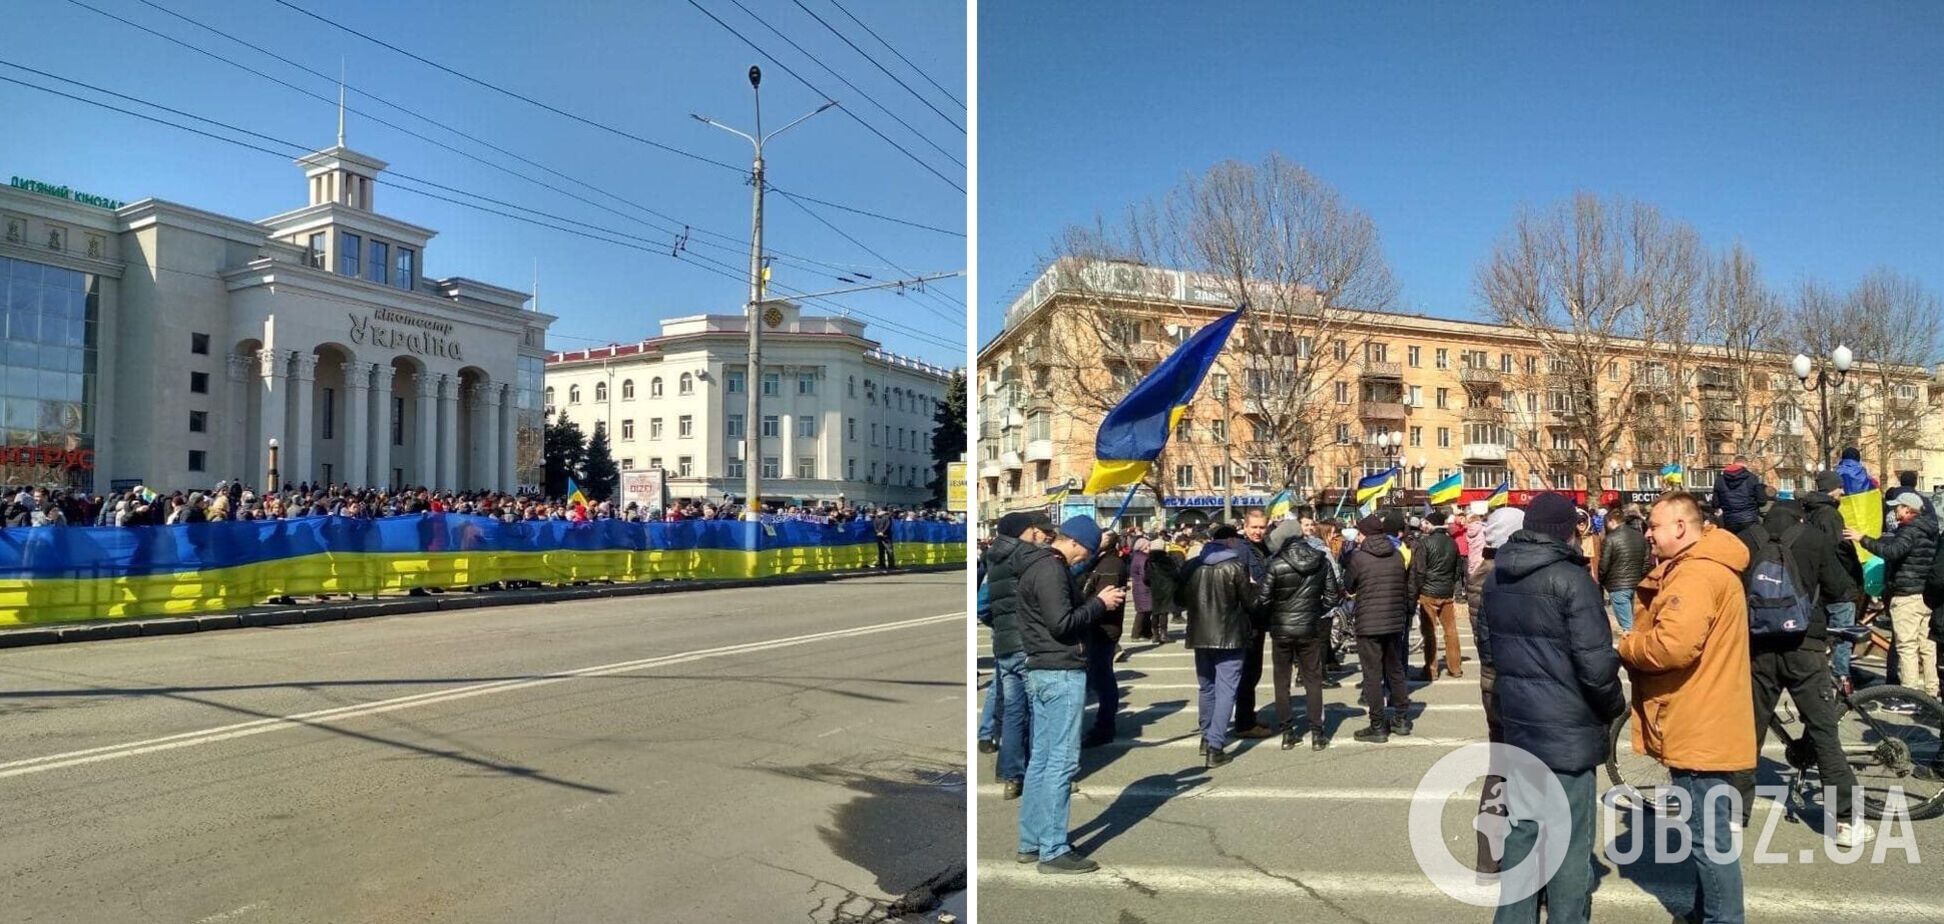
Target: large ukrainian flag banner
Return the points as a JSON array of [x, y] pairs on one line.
[[61, 573], [1449, 490], [1132, 434], [1863, 512]]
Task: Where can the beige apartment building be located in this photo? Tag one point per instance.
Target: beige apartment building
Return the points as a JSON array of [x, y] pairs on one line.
[[1482, 400]]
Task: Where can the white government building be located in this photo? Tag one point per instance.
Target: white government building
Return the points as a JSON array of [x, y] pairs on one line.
[[840, 417], [160, 344]]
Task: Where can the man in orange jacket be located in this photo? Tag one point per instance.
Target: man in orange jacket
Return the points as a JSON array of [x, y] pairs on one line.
[[1688, 659]]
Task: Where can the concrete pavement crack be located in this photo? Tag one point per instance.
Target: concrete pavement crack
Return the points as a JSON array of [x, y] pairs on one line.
[[1215, 841]]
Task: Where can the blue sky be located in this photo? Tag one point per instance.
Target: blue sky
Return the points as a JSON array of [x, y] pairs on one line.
[[639, 66], [1813, 133]]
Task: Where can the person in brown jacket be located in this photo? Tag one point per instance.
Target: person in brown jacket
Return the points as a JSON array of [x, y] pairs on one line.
[[1688, 658]]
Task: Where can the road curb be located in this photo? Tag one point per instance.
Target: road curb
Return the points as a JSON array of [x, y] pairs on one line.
[[400, 606]]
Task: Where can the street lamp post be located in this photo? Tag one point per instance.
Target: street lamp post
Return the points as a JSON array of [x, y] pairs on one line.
[[1391, 445], [273, 465], [753, 379], [1840, 360]]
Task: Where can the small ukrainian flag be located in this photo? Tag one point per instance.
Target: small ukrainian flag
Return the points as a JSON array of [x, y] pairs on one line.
[[1447, 491], [1500, 497], [1373, 487], [1671, 473], [574, 495], [1279, 505]]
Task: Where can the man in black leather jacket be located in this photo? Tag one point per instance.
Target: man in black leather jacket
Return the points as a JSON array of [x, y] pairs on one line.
[[1299, 587], [1217, 593], [1623, 562], [1435, 569]]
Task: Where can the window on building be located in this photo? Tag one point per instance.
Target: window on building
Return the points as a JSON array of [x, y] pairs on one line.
[[199, 382], [1444, 398], [1532, 365], [1343, 392], [733, 469], [771, 429], [685, 385], [398, 420], [573, 394], [327, 412], [600, 391], [627, 463], [1184, 477], [627, 389], [1218, 430], [380, 266], [1218, 476], [1343, 478], [549, 397], [1441, 358], [1343, 433], [1413, 356], [654, 428], [198, 421], [1444, 437], [1184, 430], [806, 384], [1339, 349], [1416, 398], [772, 384], [1220, 383], [197, 459], [350, 248], [732, 426], [772, 467], [850, 386], [1376, 352], [684, 466], [733, 383], [685, 426], [405, 269], [654, 461], [655, 387], [314, 251], [627, 428], [850, 469], [807, 426], [874, 434], [806, 467], [1417, 436], [850, 428], [199, 344]]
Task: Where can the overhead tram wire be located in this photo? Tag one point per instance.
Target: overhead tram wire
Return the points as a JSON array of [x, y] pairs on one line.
[[813, 87], [854, 87], [678, 227], [908, 63], [874, 63], [946, 313], [557, 110], [734, 274]]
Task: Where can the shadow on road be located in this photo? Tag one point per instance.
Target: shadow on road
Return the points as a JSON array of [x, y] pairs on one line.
[[1136, 802]]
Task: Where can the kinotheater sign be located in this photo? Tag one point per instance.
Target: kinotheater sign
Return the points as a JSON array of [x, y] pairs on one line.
[[48, 456], [393, 330]]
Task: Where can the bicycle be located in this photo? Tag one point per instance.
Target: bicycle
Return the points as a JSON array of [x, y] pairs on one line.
[[1892, 736]]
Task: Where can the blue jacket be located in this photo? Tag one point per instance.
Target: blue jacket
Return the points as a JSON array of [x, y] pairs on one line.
[[1558, 676], [1856, 479]]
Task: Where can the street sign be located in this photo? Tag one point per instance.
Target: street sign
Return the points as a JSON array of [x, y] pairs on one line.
[[955, 487]]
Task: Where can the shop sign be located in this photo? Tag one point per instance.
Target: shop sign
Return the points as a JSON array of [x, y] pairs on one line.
[[63, 192], [1215, 500], [387, 328], [48, 457]]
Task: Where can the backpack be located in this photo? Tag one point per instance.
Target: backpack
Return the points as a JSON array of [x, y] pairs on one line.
[[1778, 603]]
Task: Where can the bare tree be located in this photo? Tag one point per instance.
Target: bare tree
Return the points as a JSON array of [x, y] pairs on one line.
[[1747, 321], [1897, 322], [1592, 282]]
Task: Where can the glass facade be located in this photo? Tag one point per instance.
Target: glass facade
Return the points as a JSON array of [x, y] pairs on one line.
[[528, 419], [48, 374]]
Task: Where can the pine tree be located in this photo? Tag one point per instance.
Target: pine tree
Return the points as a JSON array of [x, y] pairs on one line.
[[948, 434], [603, 476], [564, 454]]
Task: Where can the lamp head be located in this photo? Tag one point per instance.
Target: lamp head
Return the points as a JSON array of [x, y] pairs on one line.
[[1842, 357], [273, 442], [1800, 365], [755, 76]]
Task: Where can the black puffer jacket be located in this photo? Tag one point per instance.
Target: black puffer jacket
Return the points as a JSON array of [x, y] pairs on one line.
[[1436, 565], [1623, 559], [1558, 675], [1052, 616], [1907, 555], [1820, 510], [1163, 570], [1738, 495], [1003, 562], [1109, 569], [1375, 576], [1299, 588], [1216, 591]]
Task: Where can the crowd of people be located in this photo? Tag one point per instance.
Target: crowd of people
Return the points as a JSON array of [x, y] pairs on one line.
[[1703, 601]]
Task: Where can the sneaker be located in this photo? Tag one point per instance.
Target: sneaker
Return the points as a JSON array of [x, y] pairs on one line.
[[1376, 733], [1027, 856], [1068, 863], [1290, 738], [1849, 834], [1400, 725], [1219, 758], [1012, 790], [988, 746], [1331, 683], [1319, 741]]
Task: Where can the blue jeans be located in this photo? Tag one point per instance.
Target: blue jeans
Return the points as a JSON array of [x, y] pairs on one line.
[[1009, 687], [1718, 886], [1622, 601], [1058, 698], [1218, 671], [989, 713], [1841, 614], [1101, 683], [1569, 893]]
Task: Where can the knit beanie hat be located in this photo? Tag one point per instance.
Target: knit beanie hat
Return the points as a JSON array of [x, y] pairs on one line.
[[1829, 481], [1553, 514], [1370, 525]]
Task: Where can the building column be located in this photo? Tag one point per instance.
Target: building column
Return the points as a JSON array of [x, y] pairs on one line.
[[486, 436], [509, 444], [449, 433], [273, 377], [357, 381], [425, 457], [236, 454], [303, 385], [379, 428]]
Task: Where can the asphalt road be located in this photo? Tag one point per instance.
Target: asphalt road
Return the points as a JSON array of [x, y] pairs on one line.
[[765, 754], [1297, 835]]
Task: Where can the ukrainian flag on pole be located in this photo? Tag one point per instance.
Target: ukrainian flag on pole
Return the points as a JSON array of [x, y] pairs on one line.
[[574, 495], [1499, 497], [1373, 487], [1447, 491], [1671, 473], [1279, 505], [1132, 434]]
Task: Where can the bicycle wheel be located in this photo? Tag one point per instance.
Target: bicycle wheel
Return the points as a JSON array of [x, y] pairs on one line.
[[1629, 768], [1893, 737]]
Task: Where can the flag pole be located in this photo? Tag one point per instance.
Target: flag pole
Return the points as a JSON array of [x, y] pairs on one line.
[[1129, 499]]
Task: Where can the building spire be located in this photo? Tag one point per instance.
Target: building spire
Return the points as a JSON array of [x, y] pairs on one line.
[[340, 101], [536, 283]]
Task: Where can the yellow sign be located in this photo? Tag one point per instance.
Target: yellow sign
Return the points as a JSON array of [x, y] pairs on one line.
[[955, 487]]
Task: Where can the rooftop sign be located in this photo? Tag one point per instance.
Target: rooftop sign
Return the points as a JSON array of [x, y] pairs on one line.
[[62, 192]]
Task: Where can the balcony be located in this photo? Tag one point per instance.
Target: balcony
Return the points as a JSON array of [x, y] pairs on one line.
[[1480, 413], [1718, 459], [1479, 375], [990, 468], [1719, 411], [1484, 452], [1382, 410], [1383, 370], [1013, 418], [1010, 461], [1561, 416], [1039, 450]]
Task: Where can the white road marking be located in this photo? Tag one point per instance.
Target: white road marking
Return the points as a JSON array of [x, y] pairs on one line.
[[341, 713]]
